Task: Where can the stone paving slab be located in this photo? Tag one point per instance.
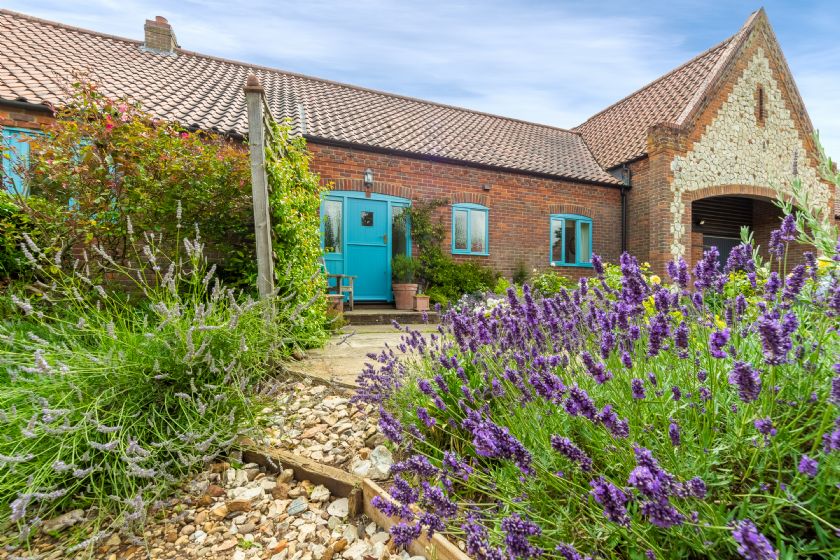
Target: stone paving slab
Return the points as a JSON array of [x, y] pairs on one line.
[[343, 357]]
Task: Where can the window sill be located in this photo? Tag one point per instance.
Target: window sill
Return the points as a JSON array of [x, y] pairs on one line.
[[566, 265], [468, 254]]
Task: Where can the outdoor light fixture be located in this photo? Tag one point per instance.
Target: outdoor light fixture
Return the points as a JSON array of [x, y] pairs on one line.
[[368, 177], [485, 187]]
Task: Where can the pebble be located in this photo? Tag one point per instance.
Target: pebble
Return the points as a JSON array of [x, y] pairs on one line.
[[339, 508], [319, 494], [297, 506]]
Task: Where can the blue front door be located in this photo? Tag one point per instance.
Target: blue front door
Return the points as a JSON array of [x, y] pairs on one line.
[[368, 225]]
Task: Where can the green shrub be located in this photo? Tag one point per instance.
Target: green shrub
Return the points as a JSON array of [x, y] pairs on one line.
[[551, 283], [104, 160], [449, 280], [108, 399], [14, 223], [403, 269]]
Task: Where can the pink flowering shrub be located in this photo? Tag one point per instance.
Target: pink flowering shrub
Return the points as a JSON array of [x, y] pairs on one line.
[[635, 418]]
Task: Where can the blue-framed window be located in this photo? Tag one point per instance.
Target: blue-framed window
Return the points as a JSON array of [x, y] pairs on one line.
[[14, 151], [570, 239], [470, 229]]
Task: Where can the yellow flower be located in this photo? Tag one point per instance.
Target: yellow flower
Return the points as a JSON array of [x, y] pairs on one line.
[[823, 263], [719, 322], [656, 279]]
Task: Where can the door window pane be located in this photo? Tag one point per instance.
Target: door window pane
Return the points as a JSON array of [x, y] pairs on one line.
[[571, 242], [478, 232], [461, 230], [585, 242], [332, 226], [557, 241], [367, 218], [399, 232]]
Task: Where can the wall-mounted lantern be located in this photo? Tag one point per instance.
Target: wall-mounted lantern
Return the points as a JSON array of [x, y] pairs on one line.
[[368, 180]]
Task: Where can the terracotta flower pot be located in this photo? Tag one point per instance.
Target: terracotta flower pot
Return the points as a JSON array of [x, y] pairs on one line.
[[404, 295], [421, 303]]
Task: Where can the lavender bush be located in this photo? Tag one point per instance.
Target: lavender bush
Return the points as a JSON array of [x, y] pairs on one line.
[[109, 397], [632, 418]]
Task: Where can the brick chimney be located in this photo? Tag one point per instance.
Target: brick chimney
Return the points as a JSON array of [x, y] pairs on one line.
[[159, 36]]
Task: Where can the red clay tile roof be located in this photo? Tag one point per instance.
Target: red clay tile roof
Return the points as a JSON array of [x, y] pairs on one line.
[[618, 134], [37, 57]]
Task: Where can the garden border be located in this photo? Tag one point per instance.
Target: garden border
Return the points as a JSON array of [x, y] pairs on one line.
[[359, 492]]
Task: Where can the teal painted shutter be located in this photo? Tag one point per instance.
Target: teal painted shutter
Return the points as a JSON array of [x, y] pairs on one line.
[[15, 154]]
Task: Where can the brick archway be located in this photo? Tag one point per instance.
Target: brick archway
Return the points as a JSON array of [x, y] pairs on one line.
[[378, 187], [763, 216], [746, 191]]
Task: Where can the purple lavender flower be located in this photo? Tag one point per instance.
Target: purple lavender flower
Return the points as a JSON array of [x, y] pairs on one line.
[[679, 272], [775, 338], [771, 288], [477, 541], [390, 426], [661, 512], [776, 245], [424, 417], [752, 545], [404, 534], [492, 440], [740, 258], [597, 370], [717, 341], [702, 375], [681, 336], [658, 332], [565, 446], [516, 539], [831, 440], [597, 264], [674, 433], [638, 388], [652, 378], [794, 282], [676, 392], [788, 228], [808, 466], [834, 394], [579, 403], [696, 487], [612, 499], [617, 427], [765, 426], [568, 552], [627, 360], [455, 467], [747, 379], [707, 270]]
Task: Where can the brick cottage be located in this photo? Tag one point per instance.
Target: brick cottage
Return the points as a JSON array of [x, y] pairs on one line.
[[677, 166]]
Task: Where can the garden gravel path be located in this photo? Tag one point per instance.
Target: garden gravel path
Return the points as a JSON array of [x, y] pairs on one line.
[[247, 513]]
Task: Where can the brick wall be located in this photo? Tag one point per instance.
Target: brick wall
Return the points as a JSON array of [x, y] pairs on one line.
[[519, 204], [23, 118]]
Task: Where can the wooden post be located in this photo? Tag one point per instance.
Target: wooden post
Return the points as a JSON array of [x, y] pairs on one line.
[[259, 186]]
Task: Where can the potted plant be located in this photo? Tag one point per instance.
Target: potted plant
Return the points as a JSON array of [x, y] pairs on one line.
[[403, 269], [421, 300]]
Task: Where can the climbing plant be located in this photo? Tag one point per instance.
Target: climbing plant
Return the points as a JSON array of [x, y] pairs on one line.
[[294, 202]]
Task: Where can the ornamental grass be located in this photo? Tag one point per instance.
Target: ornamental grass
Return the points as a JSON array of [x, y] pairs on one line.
[[629, 417], [109, 397]]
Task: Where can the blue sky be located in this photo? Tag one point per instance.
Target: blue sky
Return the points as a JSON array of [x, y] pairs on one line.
[[554, 62]]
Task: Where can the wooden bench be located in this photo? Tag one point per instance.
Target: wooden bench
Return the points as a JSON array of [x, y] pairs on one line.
[[340, 287]]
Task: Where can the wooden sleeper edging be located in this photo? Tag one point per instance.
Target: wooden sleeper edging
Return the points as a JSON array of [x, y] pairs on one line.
[[358, 491]]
